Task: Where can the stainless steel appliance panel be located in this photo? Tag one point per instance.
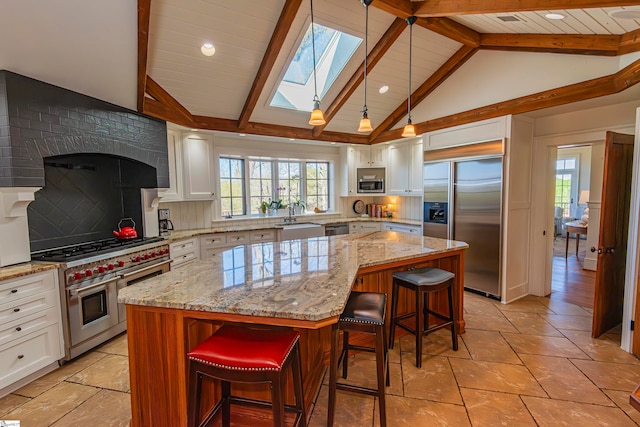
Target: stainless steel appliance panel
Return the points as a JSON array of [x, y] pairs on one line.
[[477, 221], [436, 177], [336, 229]]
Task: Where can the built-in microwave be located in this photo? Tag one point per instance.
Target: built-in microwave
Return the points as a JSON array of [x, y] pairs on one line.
[[370, 185]]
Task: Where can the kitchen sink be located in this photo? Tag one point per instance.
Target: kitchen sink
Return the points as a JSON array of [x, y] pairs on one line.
[[301, 231]]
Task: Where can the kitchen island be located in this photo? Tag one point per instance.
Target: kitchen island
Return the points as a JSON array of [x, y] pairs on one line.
[[300, 284]]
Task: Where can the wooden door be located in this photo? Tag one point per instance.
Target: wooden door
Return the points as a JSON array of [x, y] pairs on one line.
[[614, 225]]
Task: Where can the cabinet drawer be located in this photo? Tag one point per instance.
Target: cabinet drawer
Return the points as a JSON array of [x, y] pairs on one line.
[[27, 324], [237, 238], [184, 247], [33, 284], [26, 355], [402, 228], [263, 236], [183, 260], [27, 306], [210, 253], [213, 240]]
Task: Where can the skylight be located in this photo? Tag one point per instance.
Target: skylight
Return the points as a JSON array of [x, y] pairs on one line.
[[333, 51]]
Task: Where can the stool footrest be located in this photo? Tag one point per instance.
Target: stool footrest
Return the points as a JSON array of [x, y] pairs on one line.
[[357, 389]]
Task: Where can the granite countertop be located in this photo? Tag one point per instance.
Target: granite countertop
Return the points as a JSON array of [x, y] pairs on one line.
[[25, 269], [185, 234], [306, 279]]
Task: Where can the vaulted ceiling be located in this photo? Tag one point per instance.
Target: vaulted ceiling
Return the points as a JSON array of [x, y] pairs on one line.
[[472, 59]]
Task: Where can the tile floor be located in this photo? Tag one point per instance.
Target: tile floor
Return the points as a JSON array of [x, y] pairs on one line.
[[532, 362]]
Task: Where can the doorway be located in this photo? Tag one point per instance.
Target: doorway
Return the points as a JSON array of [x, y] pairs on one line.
[[570, 281]]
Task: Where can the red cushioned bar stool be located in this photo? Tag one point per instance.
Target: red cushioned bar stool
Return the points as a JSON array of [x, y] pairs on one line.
[[423, 281], [235, 354], [364, 312]]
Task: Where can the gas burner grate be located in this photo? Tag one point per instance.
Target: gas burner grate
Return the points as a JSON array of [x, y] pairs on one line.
[[86, 249]]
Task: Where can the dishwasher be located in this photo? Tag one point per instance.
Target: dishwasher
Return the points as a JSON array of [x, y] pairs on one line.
[[335, 229]]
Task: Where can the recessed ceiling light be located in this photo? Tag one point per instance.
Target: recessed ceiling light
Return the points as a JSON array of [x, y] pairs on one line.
[[207, 49], [194, 130], [554, 16], [292, 139], [383, 89], [625, 14], [242, 134], [333, 143]]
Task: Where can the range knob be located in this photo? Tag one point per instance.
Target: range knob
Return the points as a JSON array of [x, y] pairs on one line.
[[137, 259], [88, 273], [120, 263], [153, 254], [101, 269], [110, 266], [145, 256], [160, 252], [77, 276]]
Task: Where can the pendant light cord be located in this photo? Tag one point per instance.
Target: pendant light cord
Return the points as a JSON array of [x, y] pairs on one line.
[[366, 51], [313, 48], [410, 22]]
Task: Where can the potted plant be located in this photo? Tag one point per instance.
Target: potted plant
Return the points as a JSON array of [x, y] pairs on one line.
[[299, 206], [279, 208], [263, 208]]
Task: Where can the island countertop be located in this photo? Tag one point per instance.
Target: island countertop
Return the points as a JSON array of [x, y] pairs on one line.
[[307, 279]]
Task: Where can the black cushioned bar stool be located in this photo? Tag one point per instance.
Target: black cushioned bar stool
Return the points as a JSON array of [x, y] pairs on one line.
[[234, 354], [423, 281], [364, 312]]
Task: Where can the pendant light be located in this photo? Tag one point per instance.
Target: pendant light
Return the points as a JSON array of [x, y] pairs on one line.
[[317, 118], [365, 123], [409, 130]]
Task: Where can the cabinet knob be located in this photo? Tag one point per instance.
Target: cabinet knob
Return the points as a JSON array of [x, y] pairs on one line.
[[15, 310], [13, 291], [21, 356], [18, 329]]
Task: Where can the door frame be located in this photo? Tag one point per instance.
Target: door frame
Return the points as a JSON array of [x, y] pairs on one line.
[[542, 242]]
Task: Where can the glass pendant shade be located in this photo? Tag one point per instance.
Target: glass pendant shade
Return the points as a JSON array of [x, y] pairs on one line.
[[408, 131], [317, 118], [365, 125]]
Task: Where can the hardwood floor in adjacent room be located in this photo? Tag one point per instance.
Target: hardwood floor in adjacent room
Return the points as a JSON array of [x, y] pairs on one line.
[[570, 282]]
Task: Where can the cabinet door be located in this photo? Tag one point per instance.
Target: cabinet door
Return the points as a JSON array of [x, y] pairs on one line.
[[416, 160], [398, 176], [198, 166], [370, 226], [378, 157], [362, 156], [349, 159], [174, 192]]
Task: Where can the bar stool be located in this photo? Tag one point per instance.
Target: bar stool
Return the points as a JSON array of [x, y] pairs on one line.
[[364, 312], [423, 281], [234, 354]]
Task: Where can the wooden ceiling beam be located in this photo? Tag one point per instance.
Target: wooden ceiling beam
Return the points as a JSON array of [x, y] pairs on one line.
[[606, 45], [399, 8], [451, 29], [467, 7], [448, 68], [159, 110], [629, 42], [602, 86], [155, 91], [288, 14], [378, 51], [144, 12]]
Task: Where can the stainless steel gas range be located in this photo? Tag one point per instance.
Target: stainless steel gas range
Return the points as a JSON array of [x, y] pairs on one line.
[[91, 275]]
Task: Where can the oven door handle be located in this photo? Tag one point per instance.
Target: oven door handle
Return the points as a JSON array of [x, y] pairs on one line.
[[142, 270], [77, 291]]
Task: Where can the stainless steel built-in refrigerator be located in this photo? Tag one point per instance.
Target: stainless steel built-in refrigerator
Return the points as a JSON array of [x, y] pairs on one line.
[[463, 201]]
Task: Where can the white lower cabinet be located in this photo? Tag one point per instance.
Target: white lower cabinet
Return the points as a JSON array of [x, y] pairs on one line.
[[211, 245], [184, 251], [402, 228], [364, 227], [31, 332]]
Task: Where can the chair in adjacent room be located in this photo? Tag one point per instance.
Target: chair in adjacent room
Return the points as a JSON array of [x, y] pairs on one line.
[[364, 312], [235, 354], [423, 282]]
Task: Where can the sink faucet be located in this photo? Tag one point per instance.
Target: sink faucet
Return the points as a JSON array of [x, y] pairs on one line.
[[291, 218]]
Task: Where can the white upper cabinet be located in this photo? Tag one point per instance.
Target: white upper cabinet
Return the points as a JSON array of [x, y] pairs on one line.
[[198, 167], [174, 192], [405, 168], [191, 167], [371, 156]]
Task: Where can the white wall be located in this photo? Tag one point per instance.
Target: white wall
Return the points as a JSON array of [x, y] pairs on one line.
[[585, 127]]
